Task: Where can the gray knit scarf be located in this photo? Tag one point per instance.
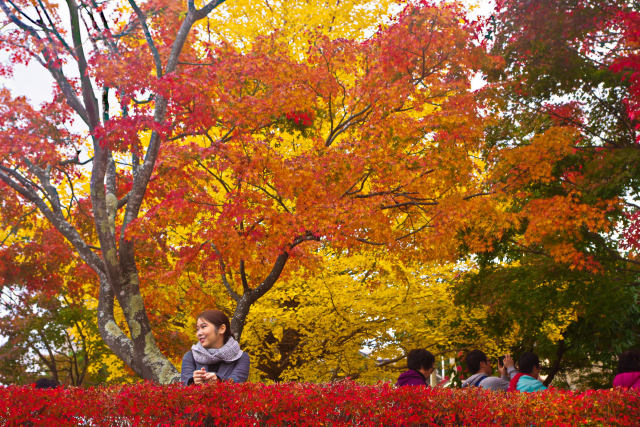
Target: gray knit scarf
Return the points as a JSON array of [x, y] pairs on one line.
[[229, 352]]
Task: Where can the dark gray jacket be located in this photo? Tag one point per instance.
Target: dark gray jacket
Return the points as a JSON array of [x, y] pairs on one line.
[[237, 371]]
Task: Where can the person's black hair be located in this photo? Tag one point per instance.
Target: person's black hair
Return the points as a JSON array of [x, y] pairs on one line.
[[629, 361], [527, 362], [217, 319], [46, 383], [420, 358], [473, 359]]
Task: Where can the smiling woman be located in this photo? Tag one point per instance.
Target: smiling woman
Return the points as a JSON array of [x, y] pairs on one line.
[[217, 355]]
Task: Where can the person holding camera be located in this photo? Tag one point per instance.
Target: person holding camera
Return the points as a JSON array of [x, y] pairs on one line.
[[481, 371]]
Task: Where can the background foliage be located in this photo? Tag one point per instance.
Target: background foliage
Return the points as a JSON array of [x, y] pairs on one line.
[[329, 179]]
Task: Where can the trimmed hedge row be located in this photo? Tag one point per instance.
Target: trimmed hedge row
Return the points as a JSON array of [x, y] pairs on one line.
[[337, 404]]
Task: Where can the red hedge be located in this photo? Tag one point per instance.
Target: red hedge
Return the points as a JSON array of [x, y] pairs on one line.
[[345, 403]]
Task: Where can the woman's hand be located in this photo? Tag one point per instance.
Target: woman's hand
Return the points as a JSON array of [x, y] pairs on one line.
[[210, 378], [199, 376]]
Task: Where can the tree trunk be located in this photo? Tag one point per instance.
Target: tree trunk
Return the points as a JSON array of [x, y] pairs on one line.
[[555, 366], [139, 350], [114, 261], [244, 302], [240, 316]]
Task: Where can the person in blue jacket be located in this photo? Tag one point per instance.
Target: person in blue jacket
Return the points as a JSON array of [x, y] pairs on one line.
[[217, 355], [527, 380]]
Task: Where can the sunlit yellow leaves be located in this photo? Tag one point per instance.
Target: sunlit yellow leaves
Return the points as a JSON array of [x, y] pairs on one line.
[[555, 326], [360, 309], [240, 22]]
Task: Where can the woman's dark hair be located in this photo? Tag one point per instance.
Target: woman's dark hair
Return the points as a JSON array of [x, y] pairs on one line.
[[473, 359], [420, 358], [527, 362], [46, 383], [629, 361], [217, 319]]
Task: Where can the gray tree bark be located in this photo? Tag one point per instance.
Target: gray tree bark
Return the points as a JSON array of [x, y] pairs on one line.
[[114, 262]]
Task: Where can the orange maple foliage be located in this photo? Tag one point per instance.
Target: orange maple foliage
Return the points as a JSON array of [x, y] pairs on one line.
[[383, 154]]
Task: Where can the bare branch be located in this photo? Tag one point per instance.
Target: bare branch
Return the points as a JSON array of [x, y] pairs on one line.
[[147, 35], [404, 204], [17, 21], [386, 362], [53, 29], [478, 195], [58, 221], [16, 226], [219, 179], [50, 192], [419, 229], [358, 117], [243, 276], [205, 10], [362, 181], [369, 242], [223, 274], [90, 102]]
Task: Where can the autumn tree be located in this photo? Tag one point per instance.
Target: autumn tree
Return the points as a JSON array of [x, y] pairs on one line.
[[225, 163], [575, 319], [568, 174], [47, 335], [369, 143], [628, 65], [48, 308], [42, 157]]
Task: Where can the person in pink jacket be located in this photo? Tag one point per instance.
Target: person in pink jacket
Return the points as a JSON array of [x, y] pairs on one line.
[[628, 370]]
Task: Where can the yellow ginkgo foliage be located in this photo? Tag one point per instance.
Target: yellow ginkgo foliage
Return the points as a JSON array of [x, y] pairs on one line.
[[357, 317], [240, 22]]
